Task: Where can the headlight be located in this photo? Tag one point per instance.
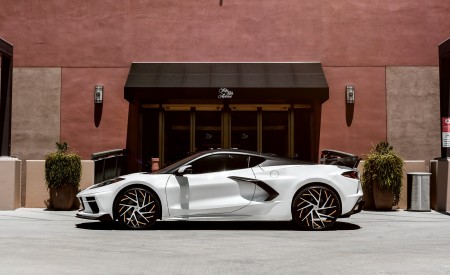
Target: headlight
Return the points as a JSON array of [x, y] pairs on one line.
[[106, 182]]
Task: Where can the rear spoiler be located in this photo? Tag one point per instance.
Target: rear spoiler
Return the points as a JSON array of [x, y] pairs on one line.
[[339, 158]]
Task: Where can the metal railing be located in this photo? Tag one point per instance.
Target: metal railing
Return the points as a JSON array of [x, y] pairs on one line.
[[108, 164]]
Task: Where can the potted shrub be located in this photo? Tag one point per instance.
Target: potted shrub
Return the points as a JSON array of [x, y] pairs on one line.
[[382, 176], [62, 176]]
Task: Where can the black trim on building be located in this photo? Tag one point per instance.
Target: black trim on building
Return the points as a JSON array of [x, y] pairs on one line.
[[249, 82], [6, 54], [444, 81]]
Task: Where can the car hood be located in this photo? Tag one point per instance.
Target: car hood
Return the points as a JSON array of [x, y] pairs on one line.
[[119, 182]]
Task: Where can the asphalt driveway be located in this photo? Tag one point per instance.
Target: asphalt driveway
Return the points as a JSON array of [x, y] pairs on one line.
[[37, 241]]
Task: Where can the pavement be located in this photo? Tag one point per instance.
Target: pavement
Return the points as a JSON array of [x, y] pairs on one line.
[[38, 241]]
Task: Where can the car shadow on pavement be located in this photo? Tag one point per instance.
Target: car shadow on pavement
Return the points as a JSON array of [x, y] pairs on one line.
[[196, 225]]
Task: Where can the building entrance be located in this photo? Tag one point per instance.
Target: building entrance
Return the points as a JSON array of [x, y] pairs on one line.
[[172, 132], [177, 109]]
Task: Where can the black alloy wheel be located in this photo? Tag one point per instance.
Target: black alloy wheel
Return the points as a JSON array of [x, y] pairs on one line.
[[137, 208], [316, 208]]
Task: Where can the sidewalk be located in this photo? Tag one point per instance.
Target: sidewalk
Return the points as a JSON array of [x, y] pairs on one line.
[[37, 241]]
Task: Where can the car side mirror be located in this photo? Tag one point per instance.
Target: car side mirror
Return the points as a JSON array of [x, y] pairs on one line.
[[186, 169]]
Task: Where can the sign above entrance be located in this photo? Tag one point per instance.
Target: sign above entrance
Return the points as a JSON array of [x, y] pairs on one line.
[[225, 93]]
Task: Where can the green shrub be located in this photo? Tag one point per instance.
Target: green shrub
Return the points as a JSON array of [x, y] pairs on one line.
[[62, 168], [384, 167]]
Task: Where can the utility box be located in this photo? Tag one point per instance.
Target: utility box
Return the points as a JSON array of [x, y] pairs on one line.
[[418, 185]]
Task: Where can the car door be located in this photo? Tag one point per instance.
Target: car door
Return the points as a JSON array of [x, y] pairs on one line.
[[213, 186]]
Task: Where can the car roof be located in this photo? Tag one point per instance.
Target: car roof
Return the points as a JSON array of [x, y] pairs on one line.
[[271, 159], [239, 151]]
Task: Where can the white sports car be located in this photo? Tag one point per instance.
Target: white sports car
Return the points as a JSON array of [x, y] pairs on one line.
[[225, 185]]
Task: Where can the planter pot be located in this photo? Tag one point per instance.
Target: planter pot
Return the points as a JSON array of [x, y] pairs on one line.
[[383, 200], [63, 198], [369, 204]]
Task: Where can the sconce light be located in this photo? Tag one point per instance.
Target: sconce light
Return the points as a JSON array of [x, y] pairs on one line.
[[350, 94], [98, 94]]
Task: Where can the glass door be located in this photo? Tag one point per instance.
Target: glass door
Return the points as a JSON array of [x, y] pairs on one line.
[[172, 132], [177, 136], [275, 132], [208, 130], [244, 130]]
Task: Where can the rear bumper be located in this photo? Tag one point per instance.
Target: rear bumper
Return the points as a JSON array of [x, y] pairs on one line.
[[356, 209]]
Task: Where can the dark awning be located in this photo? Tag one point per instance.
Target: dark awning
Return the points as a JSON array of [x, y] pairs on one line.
[[243, 82]]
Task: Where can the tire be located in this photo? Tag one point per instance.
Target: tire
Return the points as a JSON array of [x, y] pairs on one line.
[[137, 208], [316, 208]]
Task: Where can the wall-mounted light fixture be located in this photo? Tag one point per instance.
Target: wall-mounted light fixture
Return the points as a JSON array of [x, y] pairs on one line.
[[350, 94], [98, 94]]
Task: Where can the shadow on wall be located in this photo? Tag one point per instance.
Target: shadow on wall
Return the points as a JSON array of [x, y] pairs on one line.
[[98, 110], [349, 110]]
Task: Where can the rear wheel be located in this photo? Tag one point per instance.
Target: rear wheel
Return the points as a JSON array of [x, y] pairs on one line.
[[316, 208], [137, 208]]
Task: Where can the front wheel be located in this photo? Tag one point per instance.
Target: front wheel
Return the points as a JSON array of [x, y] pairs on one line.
[[316, 208], [137, 208]]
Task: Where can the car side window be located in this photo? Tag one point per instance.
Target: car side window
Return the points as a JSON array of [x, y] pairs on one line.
[[256, 161], [220, 163], [237, 161]]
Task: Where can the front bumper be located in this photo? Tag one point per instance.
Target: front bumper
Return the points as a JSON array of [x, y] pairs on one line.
[[92, 209], [98, 217]]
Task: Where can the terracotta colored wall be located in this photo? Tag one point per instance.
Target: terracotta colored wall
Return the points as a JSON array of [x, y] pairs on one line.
[[94, 42], [111, 33], [369, 118], [77, 111]]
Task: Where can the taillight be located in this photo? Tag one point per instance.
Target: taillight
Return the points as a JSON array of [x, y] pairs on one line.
[[351, 174]]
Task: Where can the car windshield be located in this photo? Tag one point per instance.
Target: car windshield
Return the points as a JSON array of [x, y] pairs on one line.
[[169, 169]]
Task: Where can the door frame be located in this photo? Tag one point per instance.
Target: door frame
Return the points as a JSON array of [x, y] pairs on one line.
[[226, 123]]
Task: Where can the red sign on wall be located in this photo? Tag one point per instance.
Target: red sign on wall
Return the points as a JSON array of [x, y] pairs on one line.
[[446, 132], [446, 124]]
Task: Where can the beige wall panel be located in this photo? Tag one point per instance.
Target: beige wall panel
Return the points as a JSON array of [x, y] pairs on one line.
[[408, 167], [9, 183], [37, 194], [35, 112], [413, 111]]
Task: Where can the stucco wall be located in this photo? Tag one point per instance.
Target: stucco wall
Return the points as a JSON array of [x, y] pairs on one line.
[[413, 111], [35, 112], [35, 115]]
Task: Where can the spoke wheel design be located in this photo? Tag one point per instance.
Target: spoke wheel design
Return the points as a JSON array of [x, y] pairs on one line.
[[137, 208], [316, 208]]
